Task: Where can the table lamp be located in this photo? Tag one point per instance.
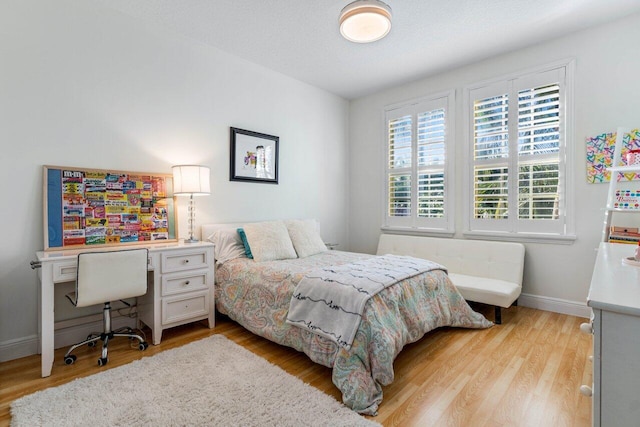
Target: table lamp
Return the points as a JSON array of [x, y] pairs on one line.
[[191, 180]]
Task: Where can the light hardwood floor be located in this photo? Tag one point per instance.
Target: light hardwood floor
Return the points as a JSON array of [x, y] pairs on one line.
[[525, 372]]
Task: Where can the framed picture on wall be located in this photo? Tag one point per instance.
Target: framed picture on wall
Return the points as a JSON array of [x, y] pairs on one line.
[[254, 156]]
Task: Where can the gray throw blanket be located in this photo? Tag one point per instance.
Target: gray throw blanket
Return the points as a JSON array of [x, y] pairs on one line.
[[330, 301]]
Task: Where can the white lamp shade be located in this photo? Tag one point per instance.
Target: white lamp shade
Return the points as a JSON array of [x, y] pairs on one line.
[[191, 180], [365, 21]]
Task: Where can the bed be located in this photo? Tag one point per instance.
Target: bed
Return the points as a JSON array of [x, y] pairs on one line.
[[257, 294]]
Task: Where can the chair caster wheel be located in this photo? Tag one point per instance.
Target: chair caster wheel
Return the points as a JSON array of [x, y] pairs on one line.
[[102, 361], [68, 360], [92, 343], [143, 346]]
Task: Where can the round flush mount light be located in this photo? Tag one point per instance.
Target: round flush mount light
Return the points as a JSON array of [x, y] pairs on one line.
[[365, 21]]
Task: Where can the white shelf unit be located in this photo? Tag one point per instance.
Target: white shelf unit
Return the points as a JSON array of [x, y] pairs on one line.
[[624, 214]]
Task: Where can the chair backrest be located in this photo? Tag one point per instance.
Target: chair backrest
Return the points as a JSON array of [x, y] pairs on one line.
[[109, 276]]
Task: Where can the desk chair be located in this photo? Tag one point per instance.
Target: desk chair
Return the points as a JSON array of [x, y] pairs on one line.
[[104, 277]]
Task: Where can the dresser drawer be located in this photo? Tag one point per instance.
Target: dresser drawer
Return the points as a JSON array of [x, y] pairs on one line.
[[186, 307], [184, 260], [65, 272], [178, 283]]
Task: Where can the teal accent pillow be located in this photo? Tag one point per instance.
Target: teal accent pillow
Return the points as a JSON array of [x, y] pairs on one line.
[[245, 243]]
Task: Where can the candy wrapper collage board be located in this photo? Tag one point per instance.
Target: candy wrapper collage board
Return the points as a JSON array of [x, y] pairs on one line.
[[100, 207]]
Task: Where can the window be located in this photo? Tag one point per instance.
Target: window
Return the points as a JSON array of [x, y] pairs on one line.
[[419, 170], [517, 144]]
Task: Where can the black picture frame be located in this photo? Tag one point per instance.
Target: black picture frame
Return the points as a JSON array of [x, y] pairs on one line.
[[254, 156]]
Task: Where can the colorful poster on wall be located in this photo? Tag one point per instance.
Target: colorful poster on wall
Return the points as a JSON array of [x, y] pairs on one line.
[[87, 207], [600, 150]]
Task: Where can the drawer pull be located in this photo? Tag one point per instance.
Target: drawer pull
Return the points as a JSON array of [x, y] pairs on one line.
[[186, 261], [187, 282], [586, 328], [585, 390]]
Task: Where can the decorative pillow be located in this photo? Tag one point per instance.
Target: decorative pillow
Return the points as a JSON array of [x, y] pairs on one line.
[[269, 241], [228, 244], [305, 238], [245, 243]]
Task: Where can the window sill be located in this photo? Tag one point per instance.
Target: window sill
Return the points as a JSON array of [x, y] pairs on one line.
[[556, 239], [417, 231]]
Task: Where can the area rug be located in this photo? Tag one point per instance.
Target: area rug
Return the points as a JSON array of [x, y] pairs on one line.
[[211, 382]]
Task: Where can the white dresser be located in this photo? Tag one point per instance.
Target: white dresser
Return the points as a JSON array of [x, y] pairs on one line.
[[614, 296]]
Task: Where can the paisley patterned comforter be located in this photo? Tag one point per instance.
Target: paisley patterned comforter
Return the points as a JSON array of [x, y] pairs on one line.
[[257, 296]]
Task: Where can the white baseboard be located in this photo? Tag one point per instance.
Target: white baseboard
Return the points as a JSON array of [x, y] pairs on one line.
[[64, 337], [556, 305], [68, 336], [17, 348]]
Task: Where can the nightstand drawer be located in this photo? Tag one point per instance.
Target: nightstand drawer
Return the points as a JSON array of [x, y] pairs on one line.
[[187, 307], [178, 283], [184, 260]]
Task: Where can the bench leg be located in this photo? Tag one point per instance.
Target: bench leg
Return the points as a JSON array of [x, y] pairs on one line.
[[498, 315]]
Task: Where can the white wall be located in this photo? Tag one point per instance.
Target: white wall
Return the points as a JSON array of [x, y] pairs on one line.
[[607, 84], [82, 85]]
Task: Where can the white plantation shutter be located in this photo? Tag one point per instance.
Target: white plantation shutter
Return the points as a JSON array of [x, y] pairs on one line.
[[399, 195], [491, 155], [491, 191], [431, 137], [538, 152], [400, 142], [431, 195], [399, 176], [418, 181], [431, 163], [538, 198], [517, 150], [491, 135]]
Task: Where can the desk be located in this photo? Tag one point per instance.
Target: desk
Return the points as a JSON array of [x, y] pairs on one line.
[[181, 292]]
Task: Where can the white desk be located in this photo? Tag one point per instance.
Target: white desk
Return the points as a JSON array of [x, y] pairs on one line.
[[181, 292]]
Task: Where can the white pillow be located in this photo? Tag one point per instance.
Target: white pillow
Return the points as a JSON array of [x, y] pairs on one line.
[[305, 238], [228, 244], [269, 241]]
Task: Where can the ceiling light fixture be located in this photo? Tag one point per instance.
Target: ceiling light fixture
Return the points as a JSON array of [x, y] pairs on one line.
[[365, 21]]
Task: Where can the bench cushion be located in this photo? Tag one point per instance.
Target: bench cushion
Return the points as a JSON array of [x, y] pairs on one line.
[[487, 291]]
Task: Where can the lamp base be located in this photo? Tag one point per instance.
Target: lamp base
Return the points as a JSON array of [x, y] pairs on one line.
[[191, 240]]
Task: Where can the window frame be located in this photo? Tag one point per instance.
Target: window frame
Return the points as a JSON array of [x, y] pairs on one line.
[[413, 224], [513, 228]]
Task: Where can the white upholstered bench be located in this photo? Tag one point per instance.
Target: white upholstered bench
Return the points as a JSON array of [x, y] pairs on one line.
[[487, 272]]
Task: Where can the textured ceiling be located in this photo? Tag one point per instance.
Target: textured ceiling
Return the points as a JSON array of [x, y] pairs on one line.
[[300, 38]]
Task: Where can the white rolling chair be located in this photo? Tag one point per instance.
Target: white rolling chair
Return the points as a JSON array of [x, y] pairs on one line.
[[104, 277]]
